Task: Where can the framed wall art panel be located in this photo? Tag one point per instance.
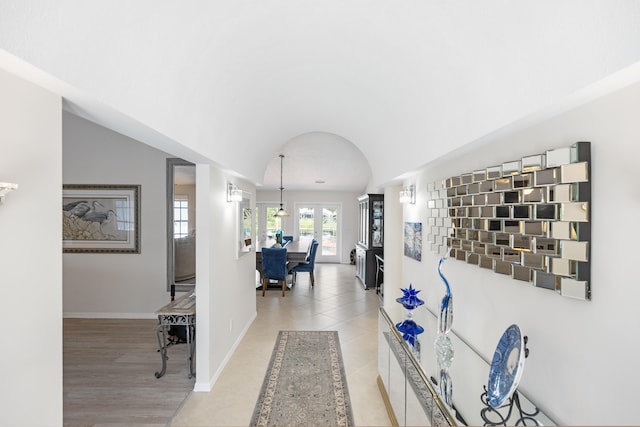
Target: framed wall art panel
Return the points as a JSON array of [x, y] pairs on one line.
[[100, 218]]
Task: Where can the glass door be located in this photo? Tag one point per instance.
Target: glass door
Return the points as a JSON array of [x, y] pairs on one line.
[[322, 223]]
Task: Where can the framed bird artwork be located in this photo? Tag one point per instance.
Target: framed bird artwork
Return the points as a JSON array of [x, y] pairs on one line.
[[101, 218]]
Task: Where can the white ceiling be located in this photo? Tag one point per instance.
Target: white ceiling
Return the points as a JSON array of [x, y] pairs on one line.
[[387, 87]]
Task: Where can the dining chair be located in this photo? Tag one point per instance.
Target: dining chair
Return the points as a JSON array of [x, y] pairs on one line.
[[274, 267], [286, 240], [308, 265]]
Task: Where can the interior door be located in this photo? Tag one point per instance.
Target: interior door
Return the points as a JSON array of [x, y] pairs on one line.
[[322, 222]]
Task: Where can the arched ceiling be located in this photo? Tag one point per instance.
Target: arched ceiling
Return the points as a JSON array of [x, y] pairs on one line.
[[318, 161], [233, 81]]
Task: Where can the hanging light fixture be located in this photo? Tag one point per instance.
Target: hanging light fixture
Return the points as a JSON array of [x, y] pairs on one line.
[[281, 211]]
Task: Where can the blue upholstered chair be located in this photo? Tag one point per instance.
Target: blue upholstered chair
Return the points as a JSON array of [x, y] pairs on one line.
[[308, 264], [274, 267], [286, 240]]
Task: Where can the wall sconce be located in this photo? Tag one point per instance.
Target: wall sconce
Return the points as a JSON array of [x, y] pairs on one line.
[[6, 187], [234, 194], [408, 195]]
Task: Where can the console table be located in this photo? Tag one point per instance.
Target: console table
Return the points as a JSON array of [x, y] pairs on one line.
[[181, 311], [409, 382]]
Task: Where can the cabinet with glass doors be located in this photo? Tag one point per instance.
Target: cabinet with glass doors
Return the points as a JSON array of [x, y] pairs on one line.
[[370, 237]]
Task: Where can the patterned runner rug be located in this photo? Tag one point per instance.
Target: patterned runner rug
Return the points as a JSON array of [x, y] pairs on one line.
[[305, 384]]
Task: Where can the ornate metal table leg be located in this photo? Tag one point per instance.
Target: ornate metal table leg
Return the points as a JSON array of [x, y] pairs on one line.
[[161, 333], [191, 340]]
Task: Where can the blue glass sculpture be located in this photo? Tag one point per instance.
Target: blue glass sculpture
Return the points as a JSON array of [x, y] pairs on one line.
[[410, 331], [446, 306], [409, 328], [409, 299], [443, 345]]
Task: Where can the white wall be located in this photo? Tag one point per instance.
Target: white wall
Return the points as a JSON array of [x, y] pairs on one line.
[[30, 254], [134, 285], [116, 285], [583, 363], [350, 212], [225, 285]]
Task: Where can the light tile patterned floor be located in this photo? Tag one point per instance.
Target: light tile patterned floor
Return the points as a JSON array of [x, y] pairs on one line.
[[337, 302]]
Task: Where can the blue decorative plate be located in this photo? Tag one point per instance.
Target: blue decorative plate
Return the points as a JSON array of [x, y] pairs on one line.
[[506, 367]]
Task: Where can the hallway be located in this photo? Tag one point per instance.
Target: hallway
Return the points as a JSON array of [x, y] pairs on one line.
[[337, 302]]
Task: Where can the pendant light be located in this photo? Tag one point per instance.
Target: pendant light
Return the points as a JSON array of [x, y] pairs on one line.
[[281, 212]]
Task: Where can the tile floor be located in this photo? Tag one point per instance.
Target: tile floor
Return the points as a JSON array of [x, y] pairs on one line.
[[337, 302]]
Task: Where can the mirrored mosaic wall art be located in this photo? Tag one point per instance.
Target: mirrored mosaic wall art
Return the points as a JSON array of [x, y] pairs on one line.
[[528, 219]]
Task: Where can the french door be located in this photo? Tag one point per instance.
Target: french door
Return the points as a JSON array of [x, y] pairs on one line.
[[322, 222]]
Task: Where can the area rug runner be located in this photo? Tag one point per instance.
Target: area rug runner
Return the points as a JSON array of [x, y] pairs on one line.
[[305, 384]]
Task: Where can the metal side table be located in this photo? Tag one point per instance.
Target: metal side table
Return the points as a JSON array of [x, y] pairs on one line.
[[181, 311]]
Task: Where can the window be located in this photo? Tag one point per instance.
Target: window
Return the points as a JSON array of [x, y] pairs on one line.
[[266, 222], [180, 216]]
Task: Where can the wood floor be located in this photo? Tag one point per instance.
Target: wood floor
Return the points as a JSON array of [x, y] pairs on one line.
[[108, 377]]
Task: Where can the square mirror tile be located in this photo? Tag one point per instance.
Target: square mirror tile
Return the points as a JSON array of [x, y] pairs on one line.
[[578, 212], [546, 246], [533, 163], [479, 175], [486, 186], [485, 262], [533, 195], [493, 251], [510, 255], [520, 242], [522, 181], [512, 226], [557, 157], [502, 184], [577, 251], [522, 212], [545, 211], [575, 172], [546, 177], [479, 224], [473, 188], [494, 199], [479, 248], [494, 172], [510, 197], [563, 230], [502, 239], [522, 273], [472, 258], [511, 168], [545, 280], [536, 228], [502, 267], [532, 260], [487, 211], [562, 267], [575, 289], [485, 237]]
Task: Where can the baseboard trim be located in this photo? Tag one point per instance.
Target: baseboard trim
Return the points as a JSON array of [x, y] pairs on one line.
[[73, 315], [387, 403], [207, 386]]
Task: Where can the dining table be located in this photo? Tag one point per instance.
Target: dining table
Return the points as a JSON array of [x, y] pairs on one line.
[[296, 252]]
